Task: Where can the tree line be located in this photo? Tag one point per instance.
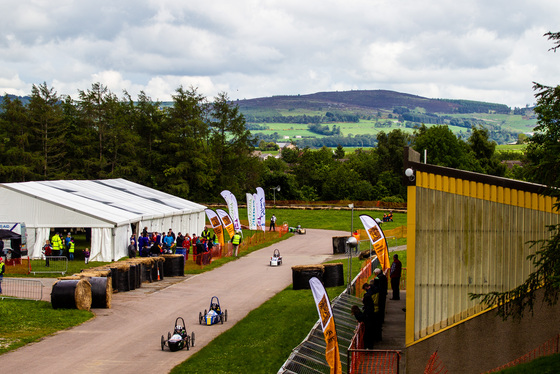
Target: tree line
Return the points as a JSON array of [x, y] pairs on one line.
[[195, 148]]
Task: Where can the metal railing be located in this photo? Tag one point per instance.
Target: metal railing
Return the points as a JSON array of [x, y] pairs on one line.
[[19, 288], [52, 264]]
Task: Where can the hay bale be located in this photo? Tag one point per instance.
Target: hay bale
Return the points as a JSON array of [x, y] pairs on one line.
[[301, 274], [71, 294], [333, 275], [101, 292]]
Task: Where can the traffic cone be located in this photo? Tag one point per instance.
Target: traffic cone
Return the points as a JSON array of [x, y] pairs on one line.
[[158, 278]]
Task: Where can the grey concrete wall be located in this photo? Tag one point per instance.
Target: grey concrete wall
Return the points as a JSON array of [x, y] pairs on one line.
[[485, 342]]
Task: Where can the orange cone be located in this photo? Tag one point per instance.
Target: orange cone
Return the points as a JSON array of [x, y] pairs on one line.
[[158, 278]]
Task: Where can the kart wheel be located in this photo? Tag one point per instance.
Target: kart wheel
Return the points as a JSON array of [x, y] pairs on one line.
[[187, 345], [222, 319], [205, 312], [162, 343], [200, 318], [168, 335], [225, 315], [192, 339]]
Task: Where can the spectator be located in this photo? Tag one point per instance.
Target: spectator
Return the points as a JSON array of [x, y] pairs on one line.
[[67, 241], [71, 249], [167, 243], [179, 240], [383, 286], [205, 233], [395, 274], [368, 331], [47, 251], [56, 244], [235, 241], [2, 269], [272, 223], [132, 249], [86, 255]]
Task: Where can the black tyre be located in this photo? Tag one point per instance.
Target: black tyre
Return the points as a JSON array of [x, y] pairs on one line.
[[205, 312], [192, 339], [200, 318], [225, 315], [168, 335], [187, 345], [162, 342], [222, 319]]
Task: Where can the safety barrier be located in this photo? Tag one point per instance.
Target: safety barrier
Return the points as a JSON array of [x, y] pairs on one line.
[[434, 365], [547, 348], [20, 288], [52, 264], [362, 360]]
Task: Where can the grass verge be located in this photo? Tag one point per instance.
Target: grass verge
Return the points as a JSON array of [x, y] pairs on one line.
[[25, 321]]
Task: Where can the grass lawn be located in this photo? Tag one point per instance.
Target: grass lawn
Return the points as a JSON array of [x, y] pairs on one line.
[[25, 321]]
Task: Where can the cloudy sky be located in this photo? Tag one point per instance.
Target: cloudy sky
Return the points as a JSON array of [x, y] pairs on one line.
[[489, 50]]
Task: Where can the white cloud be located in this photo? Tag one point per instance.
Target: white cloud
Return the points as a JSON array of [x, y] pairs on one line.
[[474, 49]]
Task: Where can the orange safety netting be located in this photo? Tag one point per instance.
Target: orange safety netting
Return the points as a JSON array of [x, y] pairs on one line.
[[18, 266]]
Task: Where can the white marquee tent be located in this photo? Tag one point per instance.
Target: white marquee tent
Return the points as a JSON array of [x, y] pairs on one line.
[[110, 207]]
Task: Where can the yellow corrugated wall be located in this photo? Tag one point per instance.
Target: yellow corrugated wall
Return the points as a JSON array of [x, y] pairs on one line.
[[466, 237]]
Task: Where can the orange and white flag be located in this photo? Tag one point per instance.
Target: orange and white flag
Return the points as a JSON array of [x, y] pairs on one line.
[[226, 221], [216, 225], [326, 316], [378, 240]]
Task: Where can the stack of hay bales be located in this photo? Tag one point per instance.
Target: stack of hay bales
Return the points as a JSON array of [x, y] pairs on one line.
[[99, 294], [71, 294]]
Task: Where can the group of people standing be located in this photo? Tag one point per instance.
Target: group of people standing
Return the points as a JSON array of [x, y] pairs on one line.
[[57, 246], [155, 244], [372, 313]]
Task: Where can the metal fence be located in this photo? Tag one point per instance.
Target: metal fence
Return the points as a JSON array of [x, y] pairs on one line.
[[19, 288], [309, 356], [52, 264]]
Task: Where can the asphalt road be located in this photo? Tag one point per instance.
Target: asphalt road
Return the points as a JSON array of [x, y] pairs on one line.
[[126, 338]]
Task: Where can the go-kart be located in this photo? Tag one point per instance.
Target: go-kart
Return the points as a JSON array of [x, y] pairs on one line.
[[300, 230], [214, 314], [276, 259], [179, 339]]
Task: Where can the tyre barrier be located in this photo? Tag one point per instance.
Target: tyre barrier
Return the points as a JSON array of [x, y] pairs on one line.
[[71, 294], [174, 265], [301, 275], [333, 275]]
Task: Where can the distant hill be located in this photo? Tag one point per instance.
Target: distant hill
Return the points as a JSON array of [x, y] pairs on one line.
[[369, 100]]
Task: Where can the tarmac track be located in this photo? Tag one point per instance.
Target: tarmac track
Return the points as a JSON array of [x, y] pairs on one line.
[[126, 338]]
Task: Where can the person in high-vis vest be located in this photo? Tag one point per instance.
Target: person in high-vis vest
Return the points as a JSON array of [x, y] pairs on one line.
[[71, 250], [56, 243], [2, 268], [235, 241]]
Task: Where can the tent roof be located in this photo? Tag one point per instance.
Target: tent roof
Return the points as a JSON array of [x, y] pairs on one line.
[[7, 234], [115, 201]]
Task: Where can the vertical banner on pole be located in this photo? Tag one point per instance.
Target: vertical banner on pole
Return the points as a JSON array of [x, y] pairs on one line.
[[326, 316], [378, 241], [226, 221], [231, 202], [216, 225], [261, 207], [251, 216]]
